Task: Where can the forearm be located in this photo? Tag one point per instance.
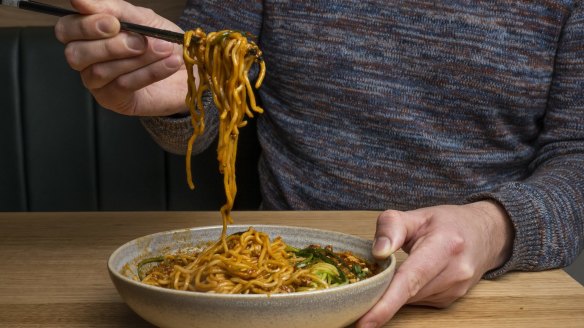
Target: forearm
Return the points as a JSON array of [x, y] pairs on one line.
[[547, 215]]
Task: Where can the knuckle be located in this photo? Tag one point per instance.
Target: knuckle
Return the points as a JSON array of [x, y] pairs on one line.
[[148, 75], [92, 76], [123, 84], [456, 244], [151, 75], [111, 47], [87, 28], [415, 283], [148, 12], [389, 216], [60, 31], [97, 73], [465, 272], [72, 56], [149, 16]]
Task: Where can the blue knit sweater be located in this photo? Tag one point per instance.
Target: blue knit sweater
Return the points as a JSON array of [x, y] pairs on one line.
[[403, 104]]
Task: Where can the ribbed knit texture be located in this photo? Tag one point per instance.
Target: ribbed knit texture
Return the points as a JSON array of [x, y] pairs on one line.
[[406, 104]]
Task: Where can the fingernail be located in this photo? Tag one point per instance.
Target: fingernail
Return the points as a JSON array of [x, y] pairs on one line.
[[106, 26], [162, 46], [135, 42], [381, 247]]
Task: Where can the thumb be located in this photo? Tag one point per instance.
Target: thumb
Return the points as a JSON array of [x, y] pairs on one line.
[[393, 230]]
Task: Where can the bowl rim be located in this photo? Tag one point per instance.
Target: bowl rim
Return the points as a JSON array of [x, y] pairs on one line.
[[183, 293]]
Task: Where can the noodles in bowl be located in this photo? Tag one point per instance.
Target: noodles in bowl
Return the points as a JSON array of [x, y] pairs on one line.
[[175, 308], [251, 262]]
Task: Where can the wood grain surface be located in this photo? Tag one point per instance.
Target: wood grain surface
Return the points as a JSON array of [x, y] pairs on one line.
[[54, 272]]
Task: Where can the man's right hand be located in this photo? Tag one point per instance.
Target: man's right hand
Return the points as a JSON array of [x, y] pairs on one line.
[[126, 72]]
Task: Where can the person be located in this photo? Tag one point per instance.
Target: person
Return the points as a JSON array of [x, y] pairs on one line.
[[463, 123]]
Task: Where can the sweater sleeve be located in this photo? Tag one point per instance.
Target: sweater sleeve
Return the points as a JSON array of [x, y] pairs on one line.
[[547, 208], [172, 133]]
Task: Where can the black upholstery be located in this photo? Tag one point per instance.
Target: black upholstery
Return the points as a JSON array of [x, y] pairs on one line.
[[59, 151]]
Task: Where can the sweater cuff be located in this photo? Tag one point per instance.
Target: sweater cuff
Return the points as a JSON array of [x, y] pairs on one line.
[[524, 213], [171, 133]]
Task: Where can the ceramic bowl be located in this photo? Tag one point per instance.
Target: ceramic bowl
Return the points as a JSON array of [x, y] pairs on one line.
[[333, 307]]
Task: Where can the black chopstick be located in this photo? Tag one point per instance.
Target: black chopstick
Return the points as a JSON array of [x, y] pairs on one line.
[[44, 8]]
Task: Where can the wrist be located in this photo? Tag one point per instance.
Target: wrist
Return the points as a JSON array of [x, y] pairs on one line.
[[499, 230]]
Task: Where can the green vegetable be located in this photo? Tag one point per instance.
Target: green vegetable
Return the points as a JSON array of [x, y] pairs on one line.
[[313, 255], [146, 261], [359, 272], [329, 273]]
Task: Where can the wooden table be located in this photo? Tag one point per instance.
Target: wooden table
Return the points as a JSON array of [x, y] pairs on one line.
[[53, 272]]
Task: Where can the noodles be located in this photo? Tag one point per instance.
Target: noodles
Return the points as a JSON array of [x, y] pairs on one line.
[[223, 61], [246, 262], [252, 264]]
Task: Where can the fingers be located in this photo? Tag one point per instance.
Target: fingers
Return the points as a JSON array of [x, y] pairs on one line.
[[423, 264], [95, 47], [138, 79], [446, 257], [122, 10], [91, 27], [394, 228], [451, 284], [94, 37], [101, 19], [392, 231], [98, 75], [117, 94], [81, 55]]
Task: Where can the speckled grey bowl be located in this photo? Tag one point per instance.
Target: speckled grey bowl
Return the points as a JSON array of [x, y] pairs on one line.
[[334, 307]]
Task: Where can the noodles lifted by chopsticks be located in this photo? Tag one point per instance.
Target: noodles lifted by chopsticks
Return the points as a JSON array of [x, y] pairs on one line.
[[223, 61]]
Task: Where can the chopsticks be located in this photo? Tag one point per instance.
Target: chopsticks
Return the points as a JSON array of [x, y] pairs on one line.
[[131, 27]]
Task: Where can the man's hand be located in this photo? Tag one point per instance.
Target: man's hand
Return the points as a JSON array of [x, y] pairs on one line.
[[125, 72], [450, 248]]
